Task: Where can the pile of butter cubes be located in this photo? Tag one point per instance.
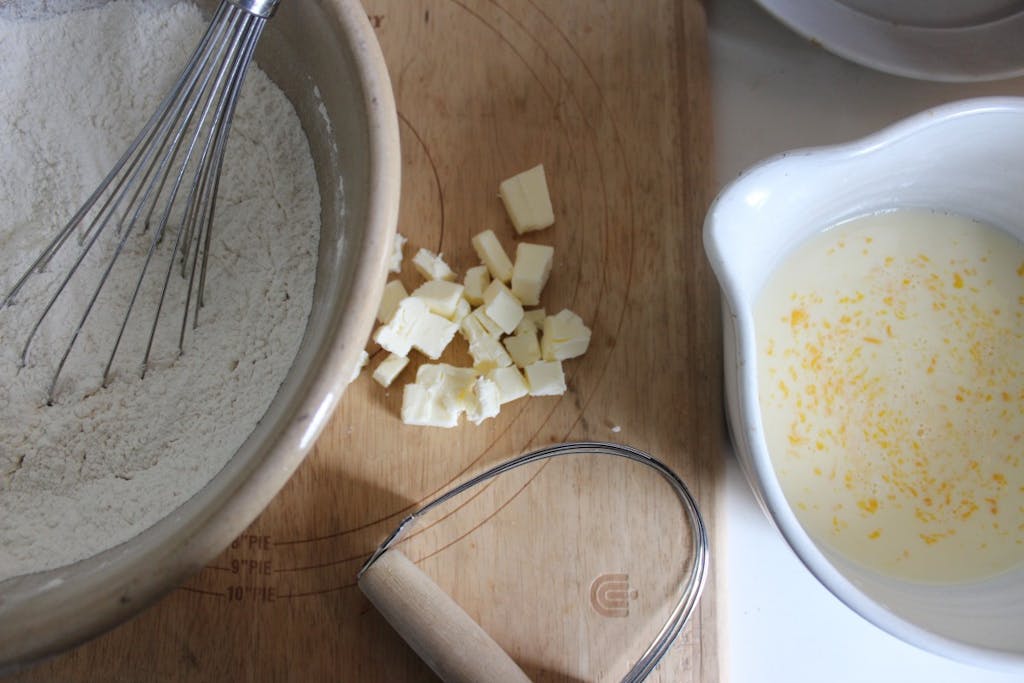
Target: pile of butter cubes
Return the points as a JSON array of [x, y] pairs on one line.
[[516, 348]]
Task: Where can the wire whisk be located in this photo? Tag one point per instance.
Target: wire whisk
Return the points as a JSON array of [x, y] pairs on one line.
[[166, 185]]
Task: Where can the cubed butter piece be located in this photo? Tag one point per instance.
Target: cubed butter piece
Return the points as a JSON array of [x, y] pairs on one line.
[[462, 309], [420, 406], [395, 263], [440, 394], [502, 306], [478, 324], [389, 368], [394, 292], [432, 266], [364, 358], [441, 296], [564, 336], [523, 348], [397, 334], [489, 325], [486, 403], [545, 378], [433, 374], [493, 255], [452, 386], [476, 280], [472, 329], [488, 353], [533, 321], [433, 334], [414, 326], [527, 201], [511, 384], [444, 374], [531, 271]]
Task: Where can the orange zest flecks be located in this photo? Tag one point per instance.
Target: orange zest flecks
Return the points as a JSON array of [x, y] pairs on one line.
[[898, 385], [935, 537], [869, 505], [798, 318], [966, 508]]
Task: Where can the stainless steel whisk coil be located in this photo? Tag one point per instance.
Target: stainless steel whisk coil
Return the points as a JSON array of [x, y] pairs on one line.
[[171, 169]]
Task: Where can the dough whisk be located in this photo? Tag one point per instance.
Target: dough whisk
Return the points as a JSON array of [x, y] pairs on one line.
[[165, 184]]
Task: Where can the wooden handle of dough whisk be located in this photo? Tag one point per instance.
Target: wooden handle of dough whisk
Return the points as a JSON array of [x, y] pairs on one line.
[[440, 632]]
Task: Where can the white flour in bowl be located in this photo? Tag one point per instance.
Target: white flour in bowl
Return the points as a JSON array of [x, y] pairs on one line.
[[103, 464]]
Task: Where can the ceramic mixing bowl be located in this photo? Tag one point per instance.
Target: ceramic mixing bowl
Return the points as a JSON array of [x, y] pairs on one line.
[[323, 54], [965, 158]]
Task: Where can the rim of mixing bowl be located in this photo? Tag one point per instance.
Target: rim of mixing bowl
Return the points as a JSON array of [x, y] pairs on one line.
[[45, 613]]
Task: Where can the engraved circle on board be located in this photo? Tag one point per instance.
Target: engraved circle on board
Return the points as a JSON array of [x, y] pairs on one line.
[[535, 71]]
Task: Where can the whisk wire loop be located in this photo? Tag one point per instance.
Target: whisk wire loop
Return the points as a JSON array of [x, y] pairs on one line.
[[210, 48], [226, 74], [178, 154]]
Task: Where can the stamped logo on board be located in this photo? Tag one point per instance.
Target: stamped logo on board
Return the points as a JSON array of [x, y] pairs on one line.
[[610, 595]]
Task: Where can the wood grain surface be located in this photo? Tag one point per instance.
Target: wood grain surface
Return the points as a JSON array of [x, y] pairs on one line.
[[612, 97]]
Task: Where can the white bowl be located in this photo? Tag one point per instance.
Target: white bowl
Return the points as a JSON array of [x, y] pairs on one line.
[[325, 57], [966, 158]]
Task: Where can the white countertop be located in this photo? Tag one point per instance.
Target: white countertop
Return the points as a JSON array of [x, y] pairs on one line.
[[774, 91]]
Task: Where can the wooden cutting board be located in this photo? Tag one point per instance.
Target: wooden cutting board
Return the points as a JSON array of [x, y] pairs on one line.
[[612, 97]]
